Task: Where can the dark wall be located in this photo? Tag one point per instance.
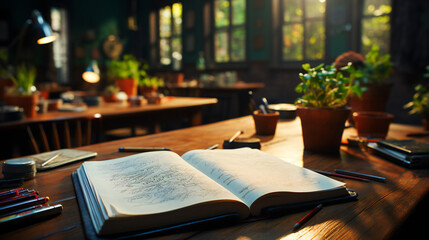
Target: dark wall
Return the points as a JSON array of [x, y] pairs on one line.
[[92, 21]]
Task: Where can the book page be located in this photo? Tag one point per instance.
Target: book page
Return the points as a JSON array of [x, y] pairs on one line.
[[250, 173], [150, 183]]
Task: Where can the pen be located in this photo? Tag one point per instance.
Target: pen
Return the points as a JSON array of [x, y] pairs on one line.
[[20, 210], [340, 175], [50, 159], [361, 175], [307, 217], [142, 149], [213, 147], [16, 199], [31, 215], [262, 108], [265, 102], [235, 136], [10, 193], [15, 206]]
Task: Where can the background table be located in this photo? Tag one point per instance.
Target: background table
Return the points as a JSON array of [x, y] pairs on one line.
[[233, 99], [92, 123], [382, 210]]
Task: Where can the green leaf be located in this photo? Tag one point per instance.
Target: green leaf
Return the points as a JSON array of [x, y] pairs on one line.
[[306, 67]]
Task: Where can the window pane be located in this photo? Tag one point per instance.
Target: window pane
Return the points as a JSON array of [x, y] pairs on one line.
[[293, 42], [238, 12], [292, 10], [221, 47], [177, 18], [376, 7], [177, 53], [165, 52], [221, 13], [315, 42], [238, 45], [165, 22], [314, 8], [376, 30]]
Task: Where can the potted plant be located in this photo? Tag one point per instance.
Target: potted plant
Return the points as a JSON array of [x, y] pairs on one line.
[[126, 73], [420, 102], [110, 92], [322, 108], [149, 85], [375, 70], [24, 94]]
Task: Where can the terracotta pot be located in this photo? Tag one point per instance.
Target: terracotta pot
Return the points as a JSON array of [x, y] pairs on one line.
[[322, 129], [149, 91], [265, 124], [372, 124], [374, 99], [27, 102], [127, 85]]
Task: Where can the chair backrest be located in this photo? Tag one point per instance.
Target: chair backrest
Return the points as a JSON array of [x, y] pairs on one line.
[[52, 135]]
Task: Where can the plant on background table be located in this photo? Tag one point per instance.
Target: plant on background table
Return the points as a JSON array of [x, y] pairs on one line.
[[127, 73], [24, 93]]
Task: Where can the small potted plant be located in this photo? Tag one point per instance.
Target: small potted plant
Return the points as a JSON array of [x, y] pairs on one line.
[[110, 92], [24, 94], [126, 73], [149, 85], [420, 102], [322, 108]]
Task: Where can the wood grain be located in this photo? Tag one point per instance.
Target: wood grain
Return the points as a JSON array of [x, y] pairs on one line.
[[381, 209]]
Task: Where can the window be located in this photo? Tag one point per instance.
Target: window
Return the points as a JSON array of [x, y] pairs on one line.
[[302, 29], [376, 25], [170, 36], [229, 31]]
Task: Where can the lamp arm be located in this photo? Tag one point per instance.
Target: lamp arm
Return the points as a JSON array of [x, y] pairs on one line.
[[21, 34]]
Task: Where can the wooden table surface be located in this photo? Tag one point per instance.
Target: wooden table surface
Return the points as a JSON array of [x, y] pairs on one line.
[[381, 209], [114, 110]]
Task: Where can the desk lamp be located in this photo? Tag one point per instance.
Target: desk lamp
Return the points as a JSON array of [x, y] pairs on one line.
[[92, 73], [40, 29]]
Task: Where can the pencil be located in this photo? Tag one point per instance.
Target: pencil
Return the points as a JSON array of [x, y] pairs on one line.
[[142, 149], [235, 136], [340, 175], [361, 175], [50, 159], [213, 147], [307, 217]]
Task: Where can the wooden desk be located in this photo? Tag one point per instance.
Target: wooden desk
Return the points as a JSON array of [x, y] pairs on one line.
[[381, 209], [233, 99], [115, 115]]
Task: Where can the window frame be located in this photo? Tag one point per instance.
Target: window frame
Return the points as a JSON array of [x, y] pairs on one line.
[[359, 26], [209, 39], [278, 25], [156, 43]]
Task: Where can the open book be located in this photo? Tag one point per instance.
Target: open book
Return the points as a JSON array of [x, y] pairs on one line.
[[155, 189]]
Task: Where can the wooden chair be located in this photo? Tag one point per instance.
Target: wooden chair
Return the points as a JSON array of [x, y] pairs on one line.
[[53, 135]]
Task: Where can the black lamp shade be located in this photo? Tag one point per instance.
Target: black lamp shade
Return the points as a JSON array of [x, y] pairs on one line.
[[42, 31], [92, 73]]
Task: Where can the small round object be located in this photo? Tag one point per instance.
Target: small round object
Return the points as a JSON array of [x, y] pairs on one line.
[[19, 168], [286, 110]]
